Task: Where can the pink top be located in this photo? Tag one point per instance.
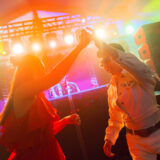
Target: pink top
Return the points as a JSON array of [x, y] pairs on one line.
[[31, 136]]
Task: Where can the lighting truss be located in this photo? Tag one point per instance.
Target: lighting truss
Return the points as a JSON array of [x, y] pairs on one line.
[[44, 25]]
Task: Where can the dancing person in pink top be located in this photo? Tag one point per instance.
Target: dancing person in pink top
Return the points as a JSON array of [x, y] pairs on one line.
[[29, 122]]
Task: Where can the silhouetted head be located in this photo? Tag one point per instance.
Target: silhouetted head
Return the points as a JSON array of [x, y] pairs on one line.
[[29, 67]]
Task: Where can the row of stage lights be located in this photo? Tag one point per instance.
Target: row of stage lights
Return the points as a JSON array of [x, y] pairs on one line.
[[35, 44], [16, 45]]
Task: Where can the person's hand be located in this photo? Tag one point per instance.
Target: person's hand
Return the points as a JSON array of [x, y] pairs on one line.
[[107, 148], [100, 44], [73, 119], [84, 38]]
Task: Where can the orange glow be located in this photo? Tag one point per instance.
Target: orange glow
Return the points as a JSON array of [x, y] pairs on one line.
[[3, 53], [36, 47], [52, 44], [100, 33], [83, 20], [18, 48], [69, 39]]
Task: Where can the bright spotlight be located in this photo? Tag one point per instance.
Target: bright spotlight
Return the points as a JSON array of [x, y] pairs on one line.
[[129, 29], [69, 39], [4, 48], [115, 33], [100, 33], [36, 47], [52, 44], [52, 40], [3, 53], [18, 48], [83, 20]]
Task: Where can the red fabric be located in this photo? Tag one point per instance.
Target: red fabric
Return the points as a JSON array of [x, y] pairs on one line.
[[31, 136]]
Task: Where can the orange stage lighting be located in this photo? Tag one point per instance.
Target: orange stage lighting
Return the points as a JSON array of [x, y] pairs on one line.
[[36, 47], [69, 39], [17, 48]]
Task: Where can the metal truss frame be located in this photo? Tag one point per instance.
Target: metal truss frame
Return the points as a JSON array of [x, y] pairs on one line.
[[45, 25]]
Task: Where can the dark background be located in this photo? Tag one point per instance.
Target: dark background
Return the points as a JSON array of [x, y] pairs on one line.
[[86, 142]]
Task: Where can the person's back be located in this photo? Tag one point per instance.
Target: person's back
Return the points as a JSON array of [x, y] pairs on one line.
[[31, 136], [29, 121]]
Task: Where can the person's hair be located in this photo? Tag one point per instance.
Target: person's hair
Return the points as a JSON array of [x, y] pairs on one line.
[[117, 46], [106, 59], [25, 70], [100, 53]]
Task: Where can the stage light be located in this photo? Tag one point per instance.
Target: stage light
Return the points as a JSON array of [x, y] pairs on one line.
[[36, 47], [17, 48], [52, 44], [68, 36], [36, 43], [115, 33], [69, 39], [129, 29], [3, 53], [112, 30], [4, 48], [17, 45], [100, 33], [51, 39], [83, 20]]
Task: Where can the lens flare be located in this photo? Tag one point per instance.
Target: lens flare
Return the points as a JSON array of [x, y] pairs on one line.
[[129, 29], [36, 47], [52, 44], [100, 33], [69, 39], [18, 48]]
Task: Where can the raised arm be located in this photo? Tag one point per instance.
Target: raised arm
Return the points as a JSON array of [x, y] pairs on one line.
[[33, 87], [129, 62]]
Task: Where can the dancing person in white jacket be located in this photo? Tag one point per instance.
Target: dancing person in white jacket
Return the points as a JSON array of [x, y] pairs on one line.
[[132, 103]]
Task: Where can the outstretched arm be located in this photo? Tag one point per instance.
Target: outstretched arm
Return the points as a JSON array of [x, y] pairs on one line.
[[129, 62], [33, 87]]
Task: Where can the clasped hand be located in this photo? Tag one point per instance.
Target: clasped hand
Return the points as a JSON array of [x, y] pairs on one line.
[[85, 37]]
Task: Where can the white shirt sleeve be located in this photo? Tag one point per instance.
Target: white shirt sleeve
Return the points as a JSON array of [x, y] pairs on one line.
[[115, 124], [135, 67]]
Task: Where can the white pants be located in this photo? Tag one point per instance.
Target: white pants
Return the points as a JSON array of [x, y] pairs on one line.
[[144, 148]]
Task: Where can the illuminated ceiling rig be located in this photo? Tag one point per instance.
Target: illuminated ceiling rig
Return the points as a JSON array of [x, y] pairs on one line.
[[45, 25]]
